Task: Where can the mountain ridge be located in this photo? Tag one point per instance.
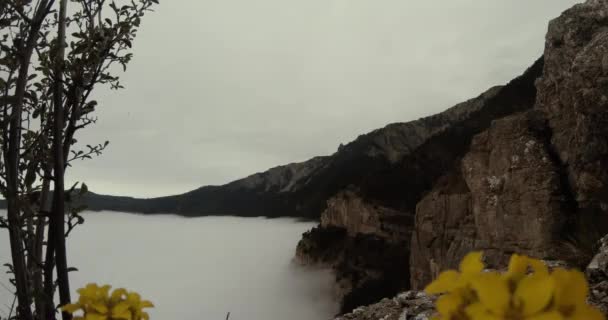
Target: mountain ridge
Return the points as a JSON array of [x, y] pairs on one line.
[[300, 189]]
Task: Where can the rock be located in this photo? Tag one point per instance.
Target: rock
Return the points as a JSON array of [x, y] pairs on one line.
[[370, 219], [535, 181], [597, 274], [597, 270], [367, 267], [410, 305], [370, 257], [505, 197], [573, 93]]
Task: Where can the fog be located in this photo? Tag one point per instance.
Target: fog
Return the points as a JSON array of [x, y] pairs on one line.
[[197, 268]]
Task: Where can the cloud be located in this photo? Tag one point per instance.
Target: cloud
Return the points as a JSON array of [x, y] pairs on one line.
[[177, 263]]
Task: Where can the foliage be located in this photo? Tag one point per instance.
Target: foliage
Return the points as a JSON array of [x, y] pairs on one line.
[[53, 54], [96, 303], [474, 294]]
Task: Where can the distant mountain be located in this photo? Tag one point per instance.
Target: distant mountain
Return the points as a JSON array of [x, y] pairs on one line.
[[371, 162]]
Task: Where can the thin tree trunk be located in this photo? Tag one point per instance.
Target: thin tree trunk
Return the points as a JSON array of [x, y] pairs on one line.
[[56, 222], [49, 266], [38, 243], [12, 171], [12, 158]]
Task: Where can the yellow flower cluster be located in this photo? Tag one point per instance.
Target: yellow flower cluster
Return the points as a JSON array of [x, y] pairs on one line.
[[527, 291], [96, 303]]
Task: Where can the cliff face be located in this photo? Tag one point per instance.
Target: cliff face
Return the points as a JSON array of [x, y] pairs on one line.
[[573, 93], [366, 229], [533, 180], [527, 177], [504, 196]]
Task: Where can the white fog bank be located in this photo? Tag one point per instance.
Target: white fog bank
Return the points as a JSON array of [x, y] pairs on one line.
[[197, 268]]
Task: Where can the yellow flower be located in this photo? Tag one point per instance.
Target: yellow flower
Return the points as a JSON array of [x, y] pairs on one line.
[[527, 291], [570, 295], [450, 280], [96, 303]]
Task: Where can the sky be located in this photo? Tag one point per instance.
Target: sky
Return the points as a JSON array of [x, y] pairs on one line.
[[221, 89]]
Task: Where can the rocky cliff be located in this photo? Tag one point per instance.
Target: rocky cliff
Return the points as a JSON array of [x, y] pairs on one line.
[[365, 230], [530, 176], [534, 180]]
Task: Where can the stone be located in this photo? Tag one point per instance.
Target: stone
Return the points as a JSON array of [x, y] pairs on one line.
[[413, 305]]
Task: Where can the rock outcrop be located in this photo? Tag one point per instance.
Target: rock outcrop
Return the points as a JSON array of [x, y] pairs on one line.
[[573, 93], [410, 305], [597, 273], [366, 228], [504, 197], [536, 180]]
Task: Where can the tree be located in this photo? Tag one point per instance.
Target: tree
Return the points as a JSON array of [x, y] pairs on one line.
[[47, 78]]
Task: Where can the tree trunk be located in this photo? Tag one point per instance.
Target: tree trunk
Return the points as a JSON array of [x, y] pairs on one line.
[[38, 243], [49, 265], [12, 158], [56, 222]]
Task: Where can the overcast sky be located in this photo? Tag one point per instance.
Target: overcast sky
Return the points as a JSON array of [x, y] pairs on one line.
[[220, 89]]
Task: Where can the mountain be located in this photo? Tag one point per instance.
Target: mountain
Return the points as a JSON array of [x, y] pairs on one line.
[[302, 189]]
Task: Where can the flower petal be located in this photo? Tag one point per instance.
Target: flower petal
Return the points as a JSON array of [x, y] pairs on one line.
[[518, 266], [104, 292], [551, 315], [493, 292], [120, 307], [587, 312], [472, 263], [538, 266], [534, 292], [476, 311], [117, 295], [146, 304], [124, 315], [89, 291], [70, 307], [99, 307], [449, 304], [95, 316], [133, 298], [571, 287], [445, 282]]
